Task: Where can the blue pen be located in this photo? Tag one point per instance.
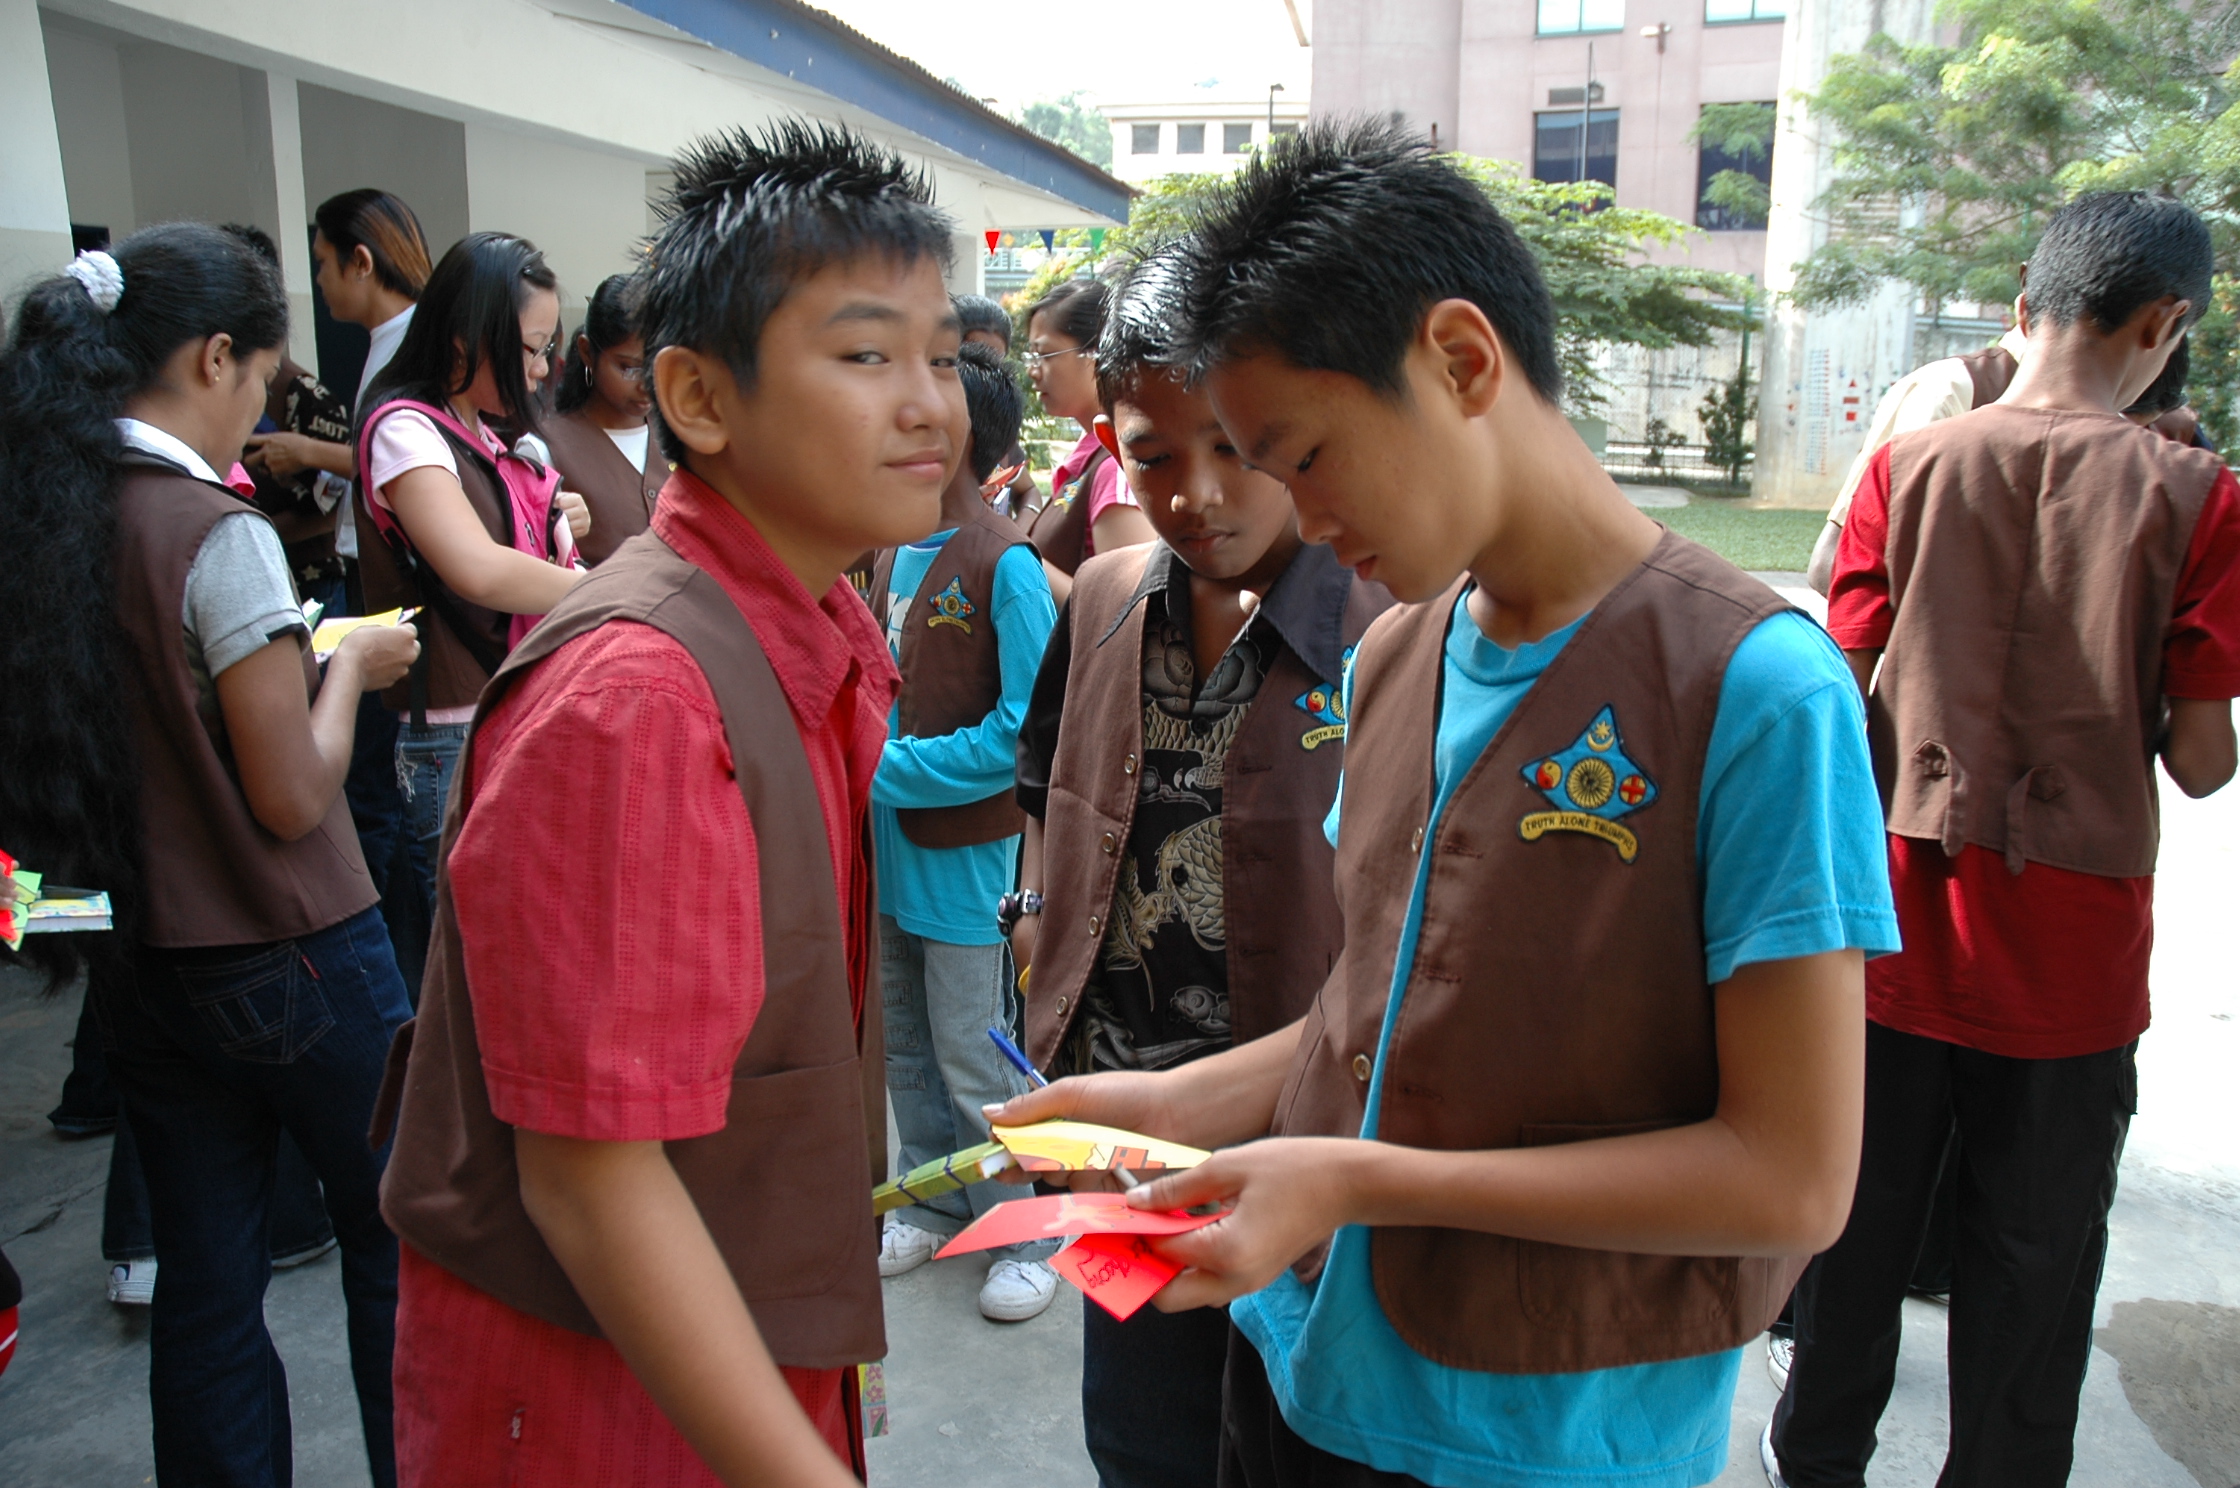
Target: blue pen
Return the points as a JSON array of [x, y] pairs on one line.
[[1018, 1060]]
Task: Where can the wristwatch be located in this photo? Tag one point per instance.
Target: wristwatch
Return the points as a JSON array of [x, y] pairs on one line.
[[1012, 908]]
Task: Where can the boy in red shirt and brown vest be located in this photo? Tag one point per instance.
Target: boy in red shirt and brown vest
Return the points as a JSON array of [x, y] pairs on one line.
[[646, 1093], [1181, 749], [2053, 595], [1583, 1087]]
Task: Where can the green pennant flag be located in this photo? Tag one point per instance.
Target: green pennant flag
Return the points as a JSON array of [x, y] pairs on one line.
[[1096, 240]]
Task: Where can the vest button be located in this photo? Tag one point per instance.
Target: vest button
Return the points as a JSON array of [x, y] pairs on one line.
[[1128, 765], [1061, 1004], [1361, 1068], [1096, 925], [1110, 844], [1415, 843]]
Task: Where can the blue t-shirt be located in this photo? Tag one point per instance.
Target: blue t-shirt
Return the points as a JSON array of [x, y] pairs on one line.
[[949, 893], [1786, 872]]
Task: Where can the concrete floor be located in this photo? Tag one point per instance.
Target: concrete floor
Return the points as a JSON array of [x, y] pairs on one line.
[[974, 1402]]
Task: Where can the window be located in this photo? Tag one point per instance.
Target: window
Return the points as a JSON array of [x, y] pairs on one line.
[[1570, 17], [1716, 12], [1236, 138], [1557, 153], [1739, 207], [1143, 139], [1189, 139], [1283, 129]]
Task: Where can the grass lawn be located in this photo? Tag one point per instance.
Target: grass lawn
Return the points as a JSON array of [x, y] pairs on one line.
[[1776, 539]]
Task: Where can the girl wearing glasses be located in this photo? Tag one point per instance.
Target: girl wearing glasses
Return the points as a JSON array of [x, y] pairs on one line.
[[1091, 509], [600, 442], [476, 536]]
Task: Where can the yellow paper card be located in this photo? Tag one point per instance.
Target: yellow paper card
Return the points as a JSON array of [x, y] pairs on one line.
[[1079, 1146], [329, 635]]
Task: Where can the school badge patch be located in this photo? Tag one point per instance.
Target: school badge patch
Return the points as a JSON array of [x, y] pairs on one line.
[[1591, 784], [950, 607], [1325, 703]]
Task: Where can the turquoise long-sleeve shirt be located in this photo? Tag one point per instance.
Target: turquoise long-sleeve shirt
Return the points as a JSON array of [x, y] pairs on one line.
[[949, 893]]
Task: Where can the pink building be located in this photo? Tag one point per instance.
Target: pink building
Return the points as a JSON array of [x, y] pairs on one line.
[[1511, 79]]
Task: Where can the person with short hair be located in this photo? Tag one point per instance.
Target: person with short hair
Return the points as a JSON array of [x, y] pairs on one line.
[[646, 1101], [967, 612], [1582, 1088], [2052, 597], [989, 324], [1214, 657]]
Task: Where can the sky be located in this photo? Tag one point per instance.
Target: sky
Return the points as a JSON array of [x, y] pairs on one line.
[[1138, 51]]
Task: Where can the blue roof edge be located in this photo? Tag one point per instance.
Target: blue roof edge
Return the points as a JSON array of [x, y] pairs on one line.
[[819, 49]]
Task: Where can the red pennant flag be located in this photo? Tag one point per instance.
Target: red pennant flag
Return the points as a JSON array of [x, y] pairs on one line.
[[992, 235]]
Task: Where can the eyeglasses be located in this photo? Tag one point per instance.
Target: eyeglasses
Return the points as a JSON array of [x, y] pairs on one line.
[[1036, 360], [537, 353]]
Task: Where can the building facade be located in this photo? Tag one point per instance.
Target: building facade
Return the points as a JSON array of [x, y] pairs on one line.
[[1210, 133], [554, 119]]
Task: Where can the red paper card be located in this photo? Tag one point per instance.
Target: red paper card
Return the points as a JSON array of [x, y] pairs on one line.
[[1117, 1272], [1056, 1215]]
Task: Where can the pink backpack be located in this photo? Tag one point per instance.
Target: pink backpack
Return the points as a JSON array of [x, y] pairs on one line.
[[536, 528]]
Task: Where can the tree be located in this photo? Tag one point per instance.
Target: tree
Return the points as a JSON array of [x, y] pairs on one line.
[[1726, 412], [1068, 121], [1950, 158], [1741, 131]]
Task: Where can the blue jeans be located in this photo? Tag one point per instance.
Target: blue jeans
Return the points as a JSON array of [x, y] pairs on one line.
[[1151, 1396], [215, 1053], [426, 758], [940, 1002]]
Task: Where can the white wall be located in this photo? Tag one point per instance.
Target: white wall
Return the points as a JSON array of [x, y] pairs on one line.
[[34, 203], [585, 209], [88, 80], [351, 141]]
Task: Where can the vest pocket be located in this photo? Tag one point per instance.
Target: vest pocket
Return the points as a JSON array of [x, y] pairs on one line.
[[1616, 1292], [266, 1007]]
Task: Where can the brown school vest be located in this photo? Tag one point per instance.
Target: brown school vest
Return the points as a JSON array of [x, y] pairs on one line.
[[211, 874], [452, 630], [952, 669], [1283, 925], [1990, 370], [1061, 529], [1558, 991], [785, 1187], [2034, 556], [621, 498]]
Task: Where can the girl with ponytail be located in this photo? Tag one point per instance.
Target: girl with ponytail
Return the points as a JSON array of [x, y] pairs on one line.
[[168, 738], [600, 441]]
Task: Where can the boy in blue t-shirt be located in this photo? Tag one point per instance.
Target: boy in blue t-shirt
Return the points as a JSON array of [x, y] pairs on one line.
[[1584, 1087], [968, 614]]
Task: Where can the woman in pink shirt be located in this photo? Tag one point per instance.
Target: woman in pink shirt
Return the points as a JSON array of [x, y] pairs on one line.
[[1091, 509]]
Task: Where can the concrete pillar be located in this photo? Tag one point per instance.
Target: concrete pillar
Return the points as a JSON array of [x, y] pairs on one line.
[[291, 214], [1824, 369], [34, 204]]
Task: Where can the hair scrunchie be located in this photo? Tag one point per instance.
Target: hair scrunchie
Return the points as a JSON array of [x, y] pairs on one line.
[[103, 280]]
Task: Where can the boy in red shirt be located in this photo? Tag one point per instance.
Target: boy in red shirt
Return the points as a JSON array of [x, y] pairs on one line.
[[2053, 595], [631, 1154]]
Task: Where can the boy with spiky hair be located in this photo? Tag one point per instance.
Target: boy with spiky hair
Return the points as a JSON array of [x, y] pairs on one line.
[[1583, 1087], [1180, 752], [647, 1088], [967, 612]]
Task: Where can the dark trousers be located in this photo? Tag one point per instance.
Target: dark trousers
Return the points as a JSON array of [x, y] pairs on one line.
[[1151, 1396], [215, 1053], [2039, 1140], [1259, 1451]]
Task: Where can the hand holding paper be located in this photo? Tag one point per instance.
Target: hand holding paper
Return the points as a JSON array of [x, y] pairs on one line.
[[1080, 1146], [1059, 1215]]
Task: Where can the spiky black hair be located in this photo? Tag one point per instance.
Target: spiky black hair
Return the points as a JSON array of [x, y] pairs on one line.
[[992, 397], [1330, 248], [1139, 323], [751, 215]]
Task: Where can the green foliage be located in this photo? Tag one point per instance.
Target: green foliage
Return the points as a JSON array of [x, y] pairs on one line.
[[1660, 436], [1951, 157], [1726, 412], [1744, 131], [1070, 122]]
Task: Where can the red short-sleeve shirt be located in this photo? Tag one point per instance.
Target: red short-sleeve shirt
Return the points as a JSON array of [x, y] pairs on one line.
[[2051, 963], [605, 892]]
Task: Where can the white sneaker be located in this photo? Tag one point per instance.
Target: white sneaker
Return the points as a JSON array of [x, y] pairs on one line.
[[1779, 1352], [1768, 1461], [905, 1247], [132, 1283], [1017, 1290], [304, 1257]]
